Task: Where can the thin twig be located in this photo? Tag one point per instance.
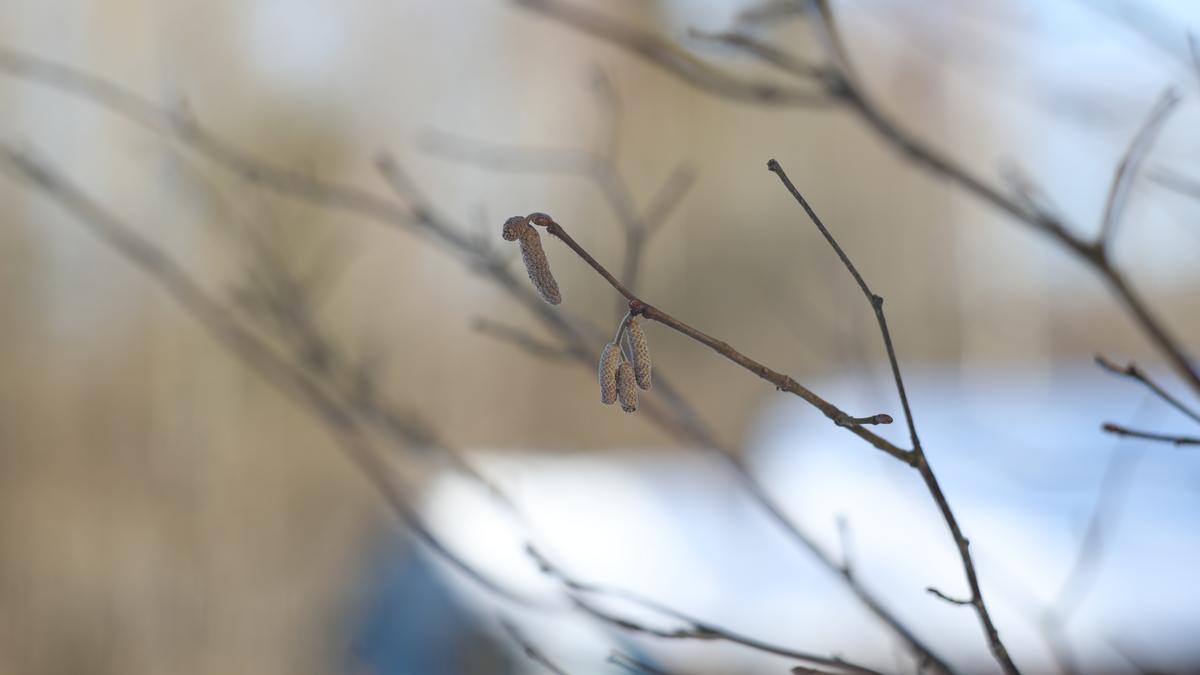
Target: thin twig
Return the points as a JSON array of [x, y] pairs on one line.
[[921, 464], [1132, 371], [668, 55], [1131, 164], [693, 629], [520, 338], [632, 665], [782, 382], [954, 601], [530, 650], [1173, 439]]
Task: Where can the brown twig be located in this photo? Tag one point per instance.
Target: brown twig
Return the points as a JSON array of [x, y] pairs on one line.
[[1132, 371], [1131, 164], [921, 464], [1174, 439]]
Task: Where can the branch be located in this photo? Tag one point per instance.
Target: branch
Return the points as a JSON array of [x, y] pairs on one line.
[[667, 55], [530, 650], [520, 339], [1131, 164], [782, 382], [1132, 371], [693, 629], [921, 464], [1149, 435]]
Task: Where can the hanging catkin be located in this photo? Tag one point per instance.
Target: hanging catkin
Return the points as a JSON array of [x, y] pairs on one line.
[[641, 353], [627, 387], [536, 264], [610, 362]]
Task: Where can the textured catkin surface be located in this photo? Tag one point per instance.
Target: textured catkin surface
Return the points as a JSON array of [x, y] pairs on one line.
[[538, 266], [610, 361], [627, 391], [641, 353]]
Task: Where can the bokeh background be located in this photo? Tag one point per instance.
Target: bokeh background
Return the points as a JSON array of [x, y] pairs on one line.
[[163, 509]]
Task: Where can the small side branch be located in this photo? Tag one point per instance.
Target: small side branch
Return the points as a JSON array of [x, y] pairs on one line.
[[529, 649], [1132, 371], [1173, 439]]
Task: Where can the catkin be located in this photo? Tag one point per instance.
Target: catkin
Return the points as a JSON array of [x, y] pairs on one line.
[[627, 387], [610, 362], [641, 353], [513, 227], [538, 266]]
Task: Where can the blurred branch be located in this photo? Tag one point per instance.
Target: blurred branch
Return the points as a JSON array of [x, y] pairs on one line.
[[671, 57], [693, 628], [633, 665], [1131, 164], [782, 382], [530, 650], [520, 338], [675, 416], [228, 332], [841, 86]]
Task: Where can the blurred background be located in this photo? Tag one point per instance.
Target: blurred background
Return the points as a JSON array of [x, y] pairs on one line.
[[169, 503]]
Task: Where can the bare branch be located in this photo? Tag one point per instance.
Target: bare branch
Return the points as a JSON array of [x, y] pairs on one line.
[[954, 601], [669, 196], [520, 338], [1124, 431], [1131, 164], [531, 651], [782, 382], [921, 464], [1132, 371], [693, 629]]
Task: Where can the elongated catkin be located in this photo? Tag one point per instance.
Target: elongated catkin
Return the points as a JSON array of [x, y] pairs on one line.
[[610, 362], [627, 391], [641, 352], [538, 266]]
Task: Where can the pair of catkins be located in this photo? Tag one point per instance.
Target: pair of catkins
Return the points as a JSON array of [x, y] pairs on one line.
[[625, 366], [621, 373]]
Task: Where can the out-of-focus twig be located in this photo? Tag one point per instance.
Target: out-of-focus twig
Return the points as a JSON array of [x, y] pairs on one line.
[[693, 629], [529, 649], [635, 666], [1131, 164]]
